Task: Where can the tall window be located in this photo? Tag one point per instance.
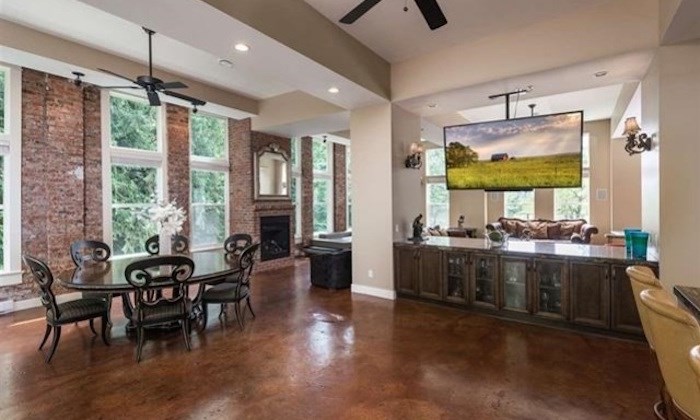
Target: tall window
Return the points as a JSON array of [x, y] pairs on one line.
[[296, 185], [436, 195], [10, 175], [575, 203], [133, 160], [519, 204], [209, 170], [348, 186], [323, 185]]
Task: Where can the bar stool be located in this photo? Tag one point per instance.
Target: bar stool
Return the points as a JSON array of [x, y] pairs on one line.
[[675, 332], [642, 278]]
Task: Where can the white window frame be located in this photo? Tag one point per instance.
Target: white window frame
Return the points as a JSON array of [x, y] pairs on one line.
[[220, 165], [434, 179], [11, 150], [113, 155], [326, 175], [296, 179]]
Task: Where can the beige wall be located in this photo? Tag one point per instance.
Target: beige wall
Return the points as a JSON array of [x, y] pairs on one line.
[[679, 154], [650, 160], [408, 190], [372, 247], [472, 205], [626, 187], [599, 132]]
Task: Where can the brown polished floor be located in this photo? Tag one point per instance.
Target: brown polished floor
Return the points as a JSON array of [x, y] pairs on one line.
[[313, 353]]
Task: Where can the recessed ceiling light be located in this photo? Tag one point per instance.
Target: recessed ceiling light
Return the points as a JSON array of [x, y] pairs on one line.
[[432, 106], [241, 47], [225, 63], [601, 73], [333, 90]]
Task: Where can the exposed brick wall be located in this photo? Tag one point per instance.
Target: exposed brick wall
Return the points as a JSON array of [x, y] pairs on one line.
[[339, 188], [92, 124], [241, 177], [307, 191], [178, 132], [52, 183]]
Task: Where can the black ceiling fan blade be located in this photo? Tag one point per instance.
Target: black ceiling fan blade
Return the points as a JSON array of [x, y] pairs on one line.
[[117, 75], [153, 98], [358, 11], [193, 101], [171, 85], [432, 13]]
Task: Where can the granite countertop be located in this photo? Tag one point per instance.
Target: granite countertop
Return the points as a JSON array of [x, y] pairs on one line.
[[546, 248]]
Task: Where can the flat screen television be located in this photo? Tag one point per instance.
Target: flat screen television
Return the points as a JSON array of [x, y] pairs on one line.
[[543, 151]]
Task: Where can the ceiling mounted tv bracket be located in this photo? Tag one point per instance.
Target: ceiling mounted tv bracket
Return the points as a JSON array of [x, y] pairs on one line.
[[507, 95]]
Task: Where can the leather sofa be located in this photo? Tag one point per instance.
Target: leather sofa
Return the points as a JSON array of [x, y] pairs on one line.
[[575, 231]]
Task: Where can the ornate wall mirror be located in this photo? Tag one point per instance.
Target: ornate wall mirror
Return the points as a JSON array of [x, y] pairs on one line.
[[272, 174]]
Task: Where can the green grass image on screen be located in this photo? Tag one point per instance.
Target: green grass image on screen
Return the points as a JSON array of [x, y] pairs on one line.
[[563, 170]]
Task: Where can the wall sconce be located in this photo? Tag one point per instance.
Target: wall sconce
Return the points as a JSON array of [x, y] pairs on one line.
[[414, 159], [637, 142]]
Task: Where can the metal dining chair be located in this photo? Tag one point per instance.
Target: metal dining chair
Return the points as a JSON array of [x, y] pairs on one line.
[[59, 314], [233, 292], [236, 243], [153, 309], [180, 245], [92, 252]]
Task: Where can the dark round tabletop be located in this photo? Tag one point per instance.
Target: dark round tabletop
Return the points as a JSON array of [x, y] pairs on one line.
[[109, 276]]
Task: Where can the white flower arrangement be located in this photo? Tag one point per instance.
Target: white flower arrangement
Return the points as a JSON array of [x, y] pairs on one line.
[[168, 217]]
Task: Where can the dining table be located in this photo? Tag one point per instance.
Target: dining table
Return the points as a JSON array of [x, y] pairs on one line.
[[108, 277]]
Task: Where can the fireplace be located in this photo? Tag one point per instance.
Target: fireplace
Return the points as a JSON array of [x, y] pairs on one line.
[[274, 237]]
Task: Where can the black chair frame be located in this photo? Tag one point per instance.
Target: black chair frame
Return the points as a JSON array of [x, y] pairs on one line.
[[180, 244], [44, 278]]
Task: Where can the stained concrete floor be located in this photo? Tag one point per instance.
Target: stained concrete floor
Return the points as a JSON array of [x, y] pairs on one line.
[[314, 353]]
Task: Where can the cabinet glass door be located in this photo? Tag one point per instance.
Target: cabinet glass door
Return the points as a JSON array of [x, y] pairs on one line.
[[515, 294], [550, 281], [456, 277], [485, 275]]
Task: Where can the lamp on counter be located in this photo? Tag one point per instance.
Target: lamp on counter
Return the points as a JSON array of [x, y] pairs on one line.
[[637, 142], [414, 160]]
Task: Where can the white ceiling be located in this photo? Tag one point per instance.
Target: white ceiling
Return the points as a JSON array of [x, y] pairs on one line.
[[81, 23], [625, 68], [596, 104], [397, 35]]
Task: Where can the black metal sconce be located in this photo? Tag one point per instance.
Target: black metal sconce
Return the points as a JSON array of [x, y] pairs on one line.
[[415, 159], [637, 142]]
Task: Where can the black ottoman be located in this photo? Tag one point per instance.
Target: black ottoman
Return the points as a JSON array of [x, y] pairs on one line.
[[330, 268]]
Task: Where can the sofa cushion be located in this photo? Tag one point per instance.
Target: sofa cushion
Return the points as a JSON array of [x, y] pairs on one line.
[[538, 229], [569, 227], [509, 225], [553, 230]]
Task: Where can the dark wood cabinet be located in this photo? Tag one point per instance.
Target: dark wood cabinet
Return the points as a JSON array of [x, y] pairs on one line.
[[515, 284], [456, 286], [550, 288], [406, 269], [484, 281], [430, 275], [590, 294], [625, 317], [542, 288]]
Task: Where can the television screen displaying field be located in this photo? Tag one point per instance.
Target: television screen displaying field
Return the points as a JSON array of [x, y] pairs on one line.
[[516, 154]]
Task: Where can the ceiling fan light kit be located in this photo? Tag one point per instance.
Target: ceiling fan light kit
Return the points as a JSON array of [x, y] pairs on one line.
[[430, 9], [153, 85]]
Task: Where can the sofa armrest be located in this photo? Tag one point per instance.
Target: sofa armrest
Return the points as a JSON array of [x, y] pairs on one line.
[[494, 226], [587, 231]]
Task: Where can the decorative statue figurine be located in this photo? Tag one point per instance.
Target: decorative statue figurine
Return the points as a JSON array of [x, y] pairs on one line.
[[417, 229], [460, 221]]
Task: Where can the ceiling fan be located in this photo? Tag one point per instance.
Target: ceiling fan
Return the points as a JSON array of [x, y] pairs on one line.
[[429, 8], [153, 85]]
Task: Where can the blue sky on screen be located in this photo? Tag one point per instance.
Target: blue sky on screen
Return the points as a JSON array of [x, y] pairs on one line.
[[539, 136]]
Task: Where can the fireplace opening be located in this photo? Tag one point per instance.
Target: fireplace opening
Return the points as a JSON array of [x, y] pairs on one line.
[[274, 237]]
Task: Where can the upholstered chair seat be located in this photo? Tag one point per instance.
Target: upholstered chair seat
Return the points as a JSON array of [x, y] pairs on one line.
[[78, 310], [675, 332]]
